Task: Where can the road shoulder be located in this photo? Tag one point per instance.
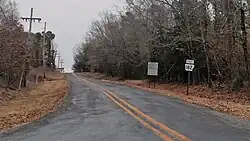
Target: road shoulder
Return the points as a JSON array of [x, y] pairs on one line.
[[230, 104], [31, 104]]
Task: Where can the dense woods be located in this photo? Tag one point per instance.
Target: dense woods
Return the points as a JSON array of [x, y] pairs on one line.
[[212, 32], [17, 55]]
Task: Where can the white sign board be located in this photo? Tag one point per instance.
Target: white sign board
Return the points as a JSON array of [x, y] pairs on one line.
[[153, 68], [189, 61], [189, 67]]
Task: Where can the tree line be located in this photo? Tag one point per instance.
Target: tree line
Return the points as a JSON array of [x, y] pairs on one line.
[[212, 32], [17, 55]]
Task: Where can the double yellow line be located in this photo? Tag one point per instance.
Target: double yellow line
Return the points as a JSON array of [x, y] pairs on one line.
[[143, 118]]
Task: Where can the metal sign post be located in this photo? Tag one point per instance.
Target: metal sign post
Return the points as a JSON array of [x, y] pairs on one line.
[[188, 82], [152, 70], [189, 66]]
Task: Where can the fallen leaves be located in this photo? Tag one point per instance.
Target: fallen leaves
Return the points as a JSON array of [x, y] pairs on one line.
[[227, 103], [32, 104]]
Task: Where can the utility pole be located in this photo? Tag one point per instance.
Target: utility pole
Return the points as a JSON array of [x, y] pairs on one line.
[[31, 19], [54, 54], [61, 62], [25, 68], [58, 60], [44, 43]]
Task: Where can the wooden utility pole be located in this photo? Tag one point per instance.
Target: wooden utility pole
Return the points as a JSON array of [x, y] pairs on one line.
[[26, 66], [54, 54], [44, 43], [31, 19], [58, 60], [61, 62]]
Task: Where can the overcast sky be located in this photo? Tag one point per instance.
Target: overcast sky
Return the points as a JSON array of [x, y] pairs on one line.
[[68, 19]]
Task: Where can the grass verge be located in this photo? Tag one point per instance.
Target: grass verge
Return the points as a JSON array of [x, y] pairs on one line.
[[33, 103]]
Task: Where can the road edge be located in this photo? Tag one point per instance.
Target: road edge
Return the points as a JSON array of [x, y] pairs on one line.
[[50, 112]]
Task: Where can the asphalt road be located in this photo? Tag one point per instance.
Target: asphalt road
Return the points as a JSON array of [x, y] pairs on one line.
[[89, 115]]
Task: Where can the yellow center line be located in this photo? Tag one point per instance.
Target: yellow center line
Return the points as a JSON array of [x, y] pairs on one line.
[[157, 132], [122, 102], [152, 120]]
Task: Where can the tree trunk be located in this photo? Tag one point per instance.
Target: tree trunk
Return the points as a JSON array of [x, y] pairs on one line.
[[244, 35], [204, 41], [229, 35]]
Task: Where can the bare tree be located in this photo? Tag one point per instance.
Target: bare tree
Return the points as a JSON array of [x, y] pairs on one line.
[[13, 43], [212, 32]]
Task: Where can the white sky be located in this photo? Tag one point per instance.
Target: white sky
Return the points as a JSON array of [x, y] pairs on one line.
[[68, 19]]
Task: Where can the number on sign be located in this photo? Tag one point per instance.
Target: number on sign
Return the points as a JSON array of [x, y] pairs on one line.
[[189, 67]]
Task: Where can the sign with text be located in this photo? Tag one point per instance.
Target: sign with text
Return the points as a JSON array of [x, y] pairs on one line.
[[189, 61], [189, 66], [153, 68]]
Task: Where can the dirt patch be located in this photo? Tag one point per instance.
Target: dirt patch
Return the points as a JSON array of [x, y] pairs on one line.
[[32, 103], [233, 103]]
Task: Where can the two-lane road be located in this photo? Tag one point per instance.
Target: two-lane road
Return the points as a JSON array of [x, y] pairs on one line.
[[93, 113]]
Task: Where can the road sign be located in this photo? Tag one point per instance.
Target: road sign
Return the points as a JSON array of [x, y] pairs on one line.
[[189, 67], [189, 61], [153, 68]]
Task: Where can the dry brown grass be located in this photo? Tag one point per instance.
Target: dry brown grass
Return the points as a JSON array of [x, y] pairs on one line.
[[32, 104], [50, 76]]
